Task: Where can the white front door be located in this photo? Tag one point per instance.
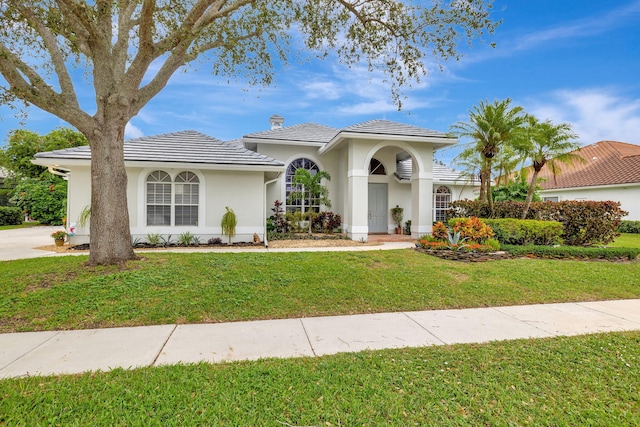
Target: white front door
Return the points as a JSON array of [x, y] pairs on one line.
[[378, 208]]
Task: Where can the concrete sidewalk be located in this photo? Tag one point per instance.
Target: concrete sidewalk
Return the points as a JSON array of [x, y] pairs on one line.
[[68, 352]]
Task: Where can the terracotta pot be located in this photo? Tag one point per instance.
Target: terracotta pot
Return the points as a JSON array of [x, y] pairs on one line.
[[59, 242], [398, 230]]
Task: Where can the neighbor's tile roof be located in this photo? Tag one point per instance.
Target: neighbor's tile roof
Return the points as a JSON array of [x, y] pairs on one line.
[[177, 147], [386, 127], [305, 132], [606, 163], [441, 173]]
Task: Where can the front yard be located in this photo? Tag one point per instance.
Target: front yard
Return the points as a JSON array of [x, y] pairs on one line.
[[585, 380], [60, 293]]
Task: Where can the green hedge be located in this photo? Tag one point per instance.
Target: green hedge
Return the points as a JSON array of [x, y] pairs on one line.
[[629, 227], [569, 252], [10, 215], [5, 195], [526, 231], [584, 222]]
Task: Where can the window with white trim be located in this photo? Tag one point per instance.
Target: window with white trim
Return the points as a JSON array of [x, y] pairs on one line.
[[441, 201], [186, 188], [158, 198], [298, 205], [172, 202]]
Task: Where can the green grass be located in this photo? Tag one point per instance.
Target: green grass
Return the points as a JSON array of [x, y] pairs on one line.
[[591, 380], [626, 240], [23, 225], [60, 293]]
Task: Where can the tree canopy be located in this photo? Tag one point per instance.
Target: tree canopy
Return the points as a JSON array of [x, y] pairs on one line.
[[130, 48], [23, 144]]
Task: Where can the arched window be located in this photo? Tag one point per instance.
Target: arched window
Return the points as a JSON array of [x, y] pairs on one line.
[[297, 205], [180, 197], [158, 198], [186, 198], [376, 167], [441, 200]]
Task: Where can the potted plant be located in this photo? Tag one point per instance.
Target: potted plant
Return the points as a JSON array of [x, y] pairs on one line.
[[397, 216], [59, 237], [228, 223]]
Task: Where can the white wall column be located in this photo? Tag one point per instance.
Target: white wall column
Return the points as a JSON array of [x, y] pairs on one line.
[[421, 204], [357, 213], [357, 208]]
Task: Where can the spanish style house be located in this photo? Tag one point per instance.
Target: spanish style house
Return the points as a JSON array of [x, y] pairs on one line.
[[611, 171], [182, 181]]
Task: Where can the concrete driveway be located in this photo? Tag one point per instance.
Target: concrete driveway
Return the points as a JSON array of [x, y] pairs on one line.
[[19, 243]]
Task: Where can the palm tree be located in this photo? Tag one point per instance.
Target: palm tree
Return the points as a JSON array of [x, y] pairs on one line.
[[547, 144], [311, 189], [470, 163], [490, 127]]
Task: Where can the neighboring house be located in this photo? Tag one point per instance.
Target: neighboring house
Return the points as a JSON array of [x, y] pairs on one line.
[[182, 181], [611, 172]]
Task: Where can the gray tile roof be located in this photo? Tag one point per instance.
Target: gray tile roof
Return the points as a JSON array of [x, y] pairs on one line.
[[306, 132], [178, 147], [440, 173], [386, 127]]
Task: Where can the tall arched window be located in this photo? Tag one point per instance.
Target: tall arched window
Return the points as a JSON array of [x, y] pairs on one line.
[[172, 202], [186, 198], [442, 198], [297, 205], [376, 167], [158, 198]]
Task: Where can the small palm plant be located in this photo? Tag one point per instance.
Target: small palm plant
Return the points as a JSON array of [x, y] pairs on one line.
[[228, 224]]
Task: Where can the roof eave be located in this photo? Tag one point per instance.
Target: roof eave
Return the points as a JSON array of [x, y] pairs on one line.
[[437, 141], [591, 187], [56, 162]]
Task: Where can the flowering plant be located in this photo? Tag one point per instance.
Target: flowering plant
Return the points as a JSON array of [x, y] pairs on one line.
[[59, 235]]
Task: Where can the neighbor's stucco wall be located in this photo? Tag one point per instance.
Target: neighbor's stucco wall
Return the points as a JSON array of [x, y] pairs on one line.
[[627, 195]]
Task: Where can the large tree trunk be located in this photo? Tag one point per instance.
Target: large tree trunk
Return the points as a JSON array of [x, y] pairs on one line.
[[532, 189], [110, 234]]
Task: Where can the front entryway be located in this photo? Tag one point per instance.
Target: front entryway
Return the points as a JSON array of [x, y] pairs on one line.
[[378, 208]]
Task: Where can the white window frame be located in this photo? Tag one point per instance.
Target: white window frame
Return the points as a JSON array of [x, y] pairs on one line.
[[440, 206], [192, 179]]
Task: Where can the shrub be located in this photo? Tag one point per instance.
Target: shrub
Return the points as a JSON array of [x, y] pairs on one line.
[[214, 241], [10, 215], [629, 227], [326, 222], [471, 228], [584, 222], [5, 196], [573, 252], [439, 231], [45, 200], [528, 231]]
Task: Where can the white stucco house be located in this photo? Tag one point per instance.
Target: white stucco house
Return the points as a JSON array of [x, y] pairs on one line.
[[182, 181], [611, 171]]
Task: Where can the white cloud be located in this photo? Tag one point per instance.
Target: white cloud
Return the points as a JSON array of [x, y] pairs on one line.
[[596, 114], [131, 131]]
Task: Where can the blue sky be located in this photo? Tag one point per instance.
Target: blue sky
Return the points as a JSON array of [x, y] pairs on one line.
[[570, 61]]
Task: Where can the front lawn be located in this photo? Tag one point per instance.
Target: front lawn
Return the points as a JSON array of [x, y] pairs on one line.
[[626, 240], [60, 293], [591, 380], [23, 225]]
